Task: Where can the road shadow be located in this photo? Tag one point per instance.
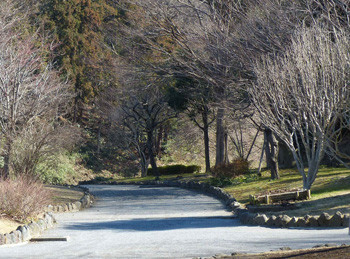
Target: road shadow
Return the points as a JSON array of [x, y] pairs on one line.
[[158, 224]]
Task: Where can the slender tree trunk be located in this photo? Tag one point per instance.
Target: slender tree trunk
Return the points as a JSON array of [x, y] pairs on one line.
[[220, 138], [261, 156], [206, 141], [99, 139], [271, 150]]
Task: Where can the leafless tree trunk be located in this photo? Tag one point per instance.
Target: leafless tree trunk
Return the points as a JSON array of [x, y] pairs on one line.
[[271, 151], [220, 137]]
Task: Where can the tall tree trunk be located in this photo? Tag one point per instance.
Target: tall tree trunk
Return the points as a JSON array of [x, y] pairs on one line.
[[271, 151], [144, 162], [152, 158], [226, 159], [206, 140], [220, 137], [159, 140]]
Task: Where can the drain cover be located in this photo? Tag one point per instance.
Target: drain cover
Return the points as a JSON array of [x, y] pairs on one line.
[[49, 239]]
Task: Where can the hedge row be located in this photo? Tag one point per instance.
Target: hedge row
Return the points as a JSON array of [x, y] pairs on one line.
[[175, 169]]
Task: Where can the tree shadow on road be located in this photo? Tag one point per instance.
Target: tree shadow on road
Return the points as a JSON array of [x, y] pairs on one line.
[[159, 224]]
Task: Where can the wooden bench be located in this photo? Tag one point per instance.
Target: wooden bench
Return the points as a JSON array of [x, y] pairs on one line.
[[273, 198]]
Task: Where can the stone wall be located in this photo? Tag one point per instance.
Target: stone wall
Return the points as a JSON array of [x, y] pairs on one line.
[[35, 228]]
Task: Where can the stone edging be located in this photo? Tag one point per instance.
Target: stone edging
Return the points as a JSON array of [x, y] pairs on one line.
[[35, 229], [248, 218]]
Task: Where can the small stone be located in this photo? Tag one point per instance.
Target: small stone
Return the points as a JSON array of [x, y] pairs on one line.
[[330, 245], [285, 248]]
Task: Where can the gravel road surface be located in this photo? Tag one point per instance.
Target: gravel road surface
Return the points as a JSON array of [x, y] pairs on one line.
[[162, 222]]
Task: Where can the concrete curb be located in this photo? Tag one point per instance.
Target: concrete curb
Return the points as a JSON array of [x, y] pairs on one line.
[[241, 212], [35, 228]]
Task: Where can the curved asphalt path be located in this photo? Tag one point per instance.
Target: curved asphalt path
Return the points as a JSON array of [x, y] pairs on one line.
[[161, 222]]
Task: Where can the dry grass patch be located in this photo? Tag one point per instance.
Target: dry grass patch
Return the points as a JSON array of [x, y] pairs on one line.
[[63, 195]]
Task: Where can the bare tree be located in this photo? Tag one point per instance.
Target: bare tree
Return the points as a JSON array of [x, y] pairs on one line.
[[143, 106], [30, 91], [302, 94]]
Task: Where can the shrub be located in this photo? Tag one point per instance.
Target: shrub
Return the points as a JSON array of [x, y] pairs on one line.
[[175, 169], [58, 169], [22, 198], [237, 167]]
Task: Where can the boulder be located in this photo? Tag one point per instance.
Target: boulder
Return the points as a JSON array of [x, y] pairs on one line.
[[260, 219], [282, 221], [49, 208], [2, 239], [293, 222], [60, 208], [25, 233], [302, 223], [324, 219], [313, 222], [77, 205], [271, 221], [34, 229], [345, 222], [336, 220], [307, 218]]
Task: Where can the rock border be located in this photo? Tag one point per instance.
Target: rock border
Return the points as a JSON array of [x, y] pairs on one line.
[[36, 228], [241, 212]]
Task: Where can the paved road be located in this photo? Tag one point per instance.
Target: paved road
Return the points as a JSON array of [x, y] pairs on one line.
[[160, 222]]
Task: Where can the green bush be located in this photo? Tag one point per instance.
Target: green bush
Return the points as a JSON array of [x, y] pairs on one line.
[[236, 168], [59, 169], [175, 169]]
